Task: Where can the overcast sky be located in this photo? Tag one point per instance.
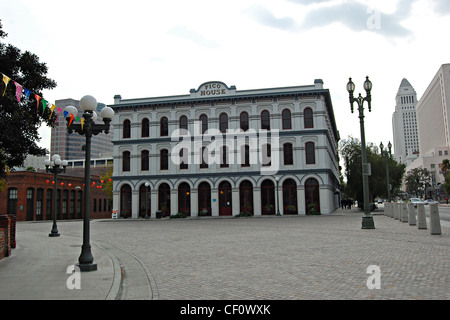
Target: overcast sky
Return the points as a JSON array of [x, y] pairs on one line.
[[140, 48]]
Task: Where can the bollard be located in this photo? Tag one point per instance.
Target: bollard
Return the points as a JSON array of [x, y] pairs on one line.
[[396, 210], [404, 212], [411, 214], [421, 219], [435, 222], [386, 209]]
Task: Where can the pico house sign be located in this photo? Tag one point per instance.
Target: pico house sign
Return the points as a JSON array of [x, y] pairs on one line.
[[212, 89]]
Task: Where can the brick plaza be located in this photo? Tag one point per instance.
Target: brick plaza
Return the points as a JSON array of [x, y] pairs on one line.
[[280, 258]]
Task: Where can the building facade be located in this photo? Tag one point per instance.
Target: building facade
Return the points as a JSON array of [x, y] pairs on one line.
[[222, 152], [404, 124], [69, 145], [29, 196], [433, 122]]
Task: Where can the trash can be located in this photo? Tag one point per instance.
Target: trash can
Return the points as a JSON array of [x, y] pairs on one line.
[[158, 214]]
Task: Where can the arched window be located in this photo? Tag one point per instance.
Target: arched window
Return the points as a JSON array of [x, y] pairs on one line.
[[184, 199], [266, 158], [164, 127], [164, 199], [287, 154], [286, 119], [126, 161], [204, 122], [145, 128], [244, 121], [308, 118], [310, 153], [290, 197], [245, 156], [184, 160], [204, 199], [125, 201], [183, 123], [164, 159], [265, 120], [223, 122], [312, 196], [126, 133], [224, 157], [144, 200], [268, 197], [225, 199], [145, 160], [246, 197]]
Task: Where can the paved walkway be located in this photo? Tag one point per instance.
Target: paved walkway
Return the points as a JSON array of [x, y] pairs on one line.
[[279, 258]]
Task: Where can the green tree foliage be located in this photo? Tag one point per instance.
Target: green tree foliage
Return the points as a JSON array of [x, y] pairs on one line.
[[350, 151], [19, 122], [417, 179]]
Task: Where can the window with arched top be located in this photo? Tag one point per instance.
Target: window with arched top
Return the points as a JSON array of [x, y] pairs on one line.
[[244, 121], [223, 122], [164, 127], [145, 128], [308, 119], [126, 161], [286, 119], [184, 123], [204, 122], [126, 129], [265, 120]]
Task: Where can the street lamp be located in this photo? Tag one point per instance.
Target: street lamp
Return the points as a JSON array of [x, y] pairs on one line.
[[277, 179], [367, 220], [387, 154], [55, 166], [146, 200], [87, 128]]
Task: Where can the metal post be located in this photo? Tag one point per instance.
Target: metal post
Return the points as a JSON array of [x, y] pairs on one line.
[[54, 232]]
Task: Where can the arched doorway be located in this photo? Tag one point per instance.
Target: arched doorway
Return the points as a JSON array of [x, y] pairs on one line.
[[312, 196], [246, 197], [144, 201], [225, 199], [290, 197], [184, 199], [204, 199], [125, 201], [267, 197], [164, 199]]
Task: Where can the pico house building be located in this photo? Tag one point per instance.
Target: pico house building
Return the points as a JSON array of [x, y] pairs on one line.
[[222, 152]]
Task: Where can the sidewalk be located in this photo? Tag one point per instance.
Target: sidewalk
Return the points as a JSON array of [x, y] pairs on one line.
[[280, 258], [37, 269]]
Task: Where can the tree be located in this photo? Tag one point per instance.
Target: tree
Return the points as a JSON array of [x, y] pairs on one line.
[[19, 121], [350, 150], [445, 167], [416, 180]]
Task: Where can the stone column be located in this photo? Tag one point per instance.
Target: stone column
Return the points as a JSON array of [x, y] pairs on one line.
[[411, 214], [422, 221], [435, 221]]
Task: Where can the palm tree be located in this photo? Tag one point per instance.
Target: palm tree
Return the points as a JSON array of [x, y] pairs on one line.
[[445, 167]]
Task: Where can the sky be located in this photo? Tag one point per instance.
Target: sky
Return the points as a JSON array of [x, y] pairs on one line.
[[141, 49]]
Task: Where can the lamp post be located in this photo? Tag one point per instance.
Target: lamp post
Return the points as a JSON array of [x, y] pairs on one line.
[[277, 179], [55, 166], [387, 154], [146, 200], [367, 220], [87, 128]]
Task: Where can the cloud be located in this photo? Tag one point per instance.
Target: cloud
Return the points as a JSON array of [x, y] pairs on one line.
[[262, 15], [187, 34], [352, 14]]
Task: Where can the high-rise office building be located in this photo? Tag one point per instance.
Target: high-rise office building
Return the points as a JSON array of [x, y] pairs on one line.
[[69, 146], [404, 124]]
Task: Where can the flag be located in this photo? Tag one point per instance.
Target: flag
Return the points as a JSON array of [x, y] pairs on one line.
[[27, 93], [18, 91], [37, 104], [5, 80]]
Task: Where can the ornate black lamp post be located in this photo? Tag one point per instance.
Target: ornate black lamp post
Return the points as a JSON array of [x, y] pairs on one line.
[[387, 154], [55, 166], [88, 128], [367, 220]]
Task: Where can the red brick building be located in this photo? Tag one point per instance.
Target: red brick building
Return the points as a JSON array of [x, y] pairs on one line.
[[29, 196]]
